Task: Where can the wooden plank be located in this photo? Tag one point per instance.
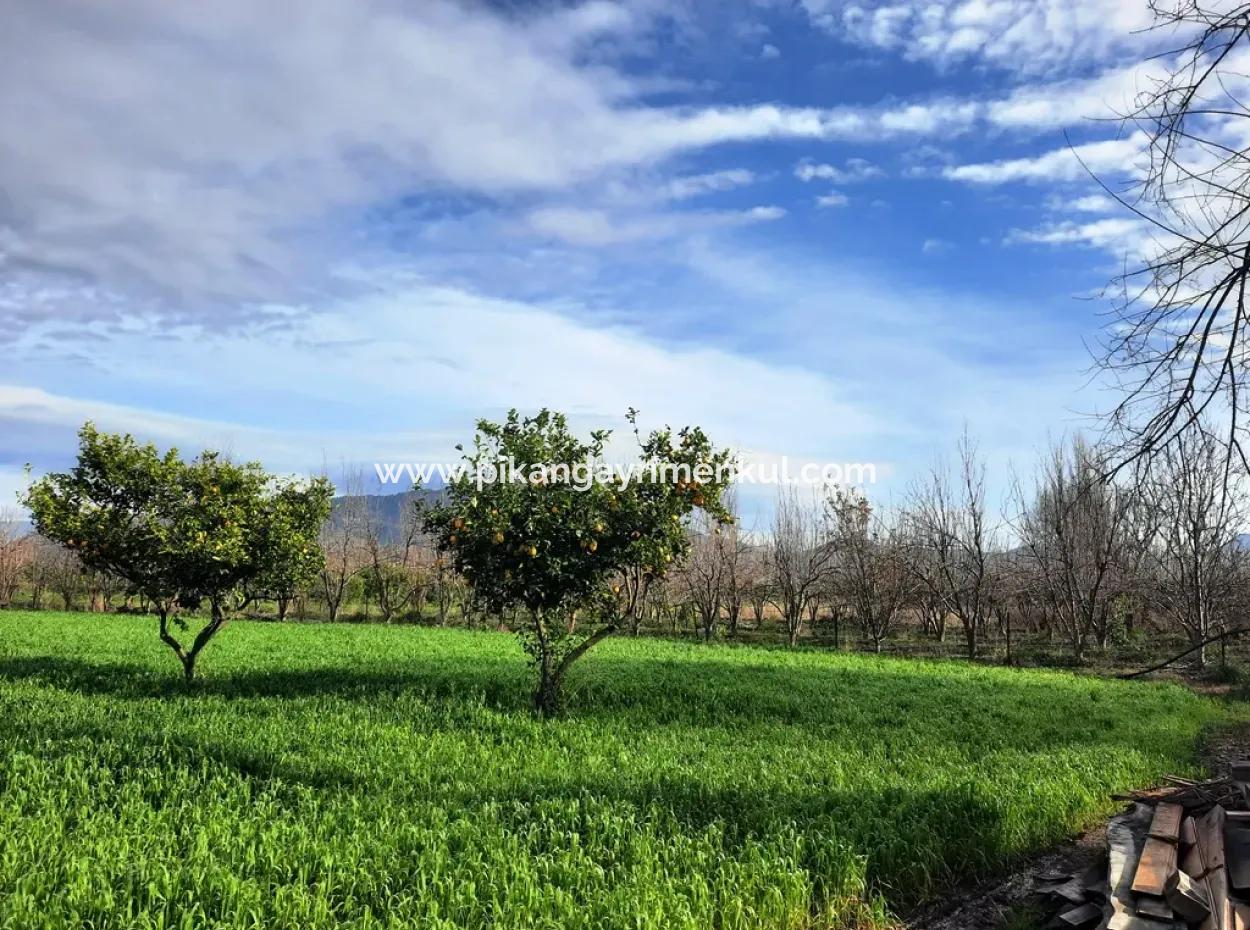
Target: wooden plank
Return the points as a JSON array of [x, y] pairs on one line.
[[1192, 864], [1237, 854], [1120, 921], [1158, 862], [1072, 891], [1241, 916], [1211, 838], [1158, 908], [1083, 917], [1189, 833], [1189, 898], [1125, 835], [1166, 824], [1221, 908]]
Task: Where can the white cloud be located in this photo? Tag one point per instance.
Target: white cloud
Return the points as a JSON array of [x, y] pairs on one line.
[[696, 185], [1120, 235], [1119, 156], [930, 118], [214, 153], [384, 370], [595, 227], [770, 52], [936, 246], [832, 199], [13, 483], [195, 159], [1113, 92], [856, 169], [1090, 203], [191, 153], [1028, 36]]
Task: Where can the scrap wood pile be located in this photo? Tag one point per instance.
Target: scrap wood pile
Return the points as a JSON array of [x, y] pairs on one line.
[[1179, 858]]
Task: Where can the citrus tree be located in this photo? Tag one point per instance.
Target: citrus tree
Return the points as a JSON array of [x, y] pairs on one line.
[[554, 535], [182, 534]]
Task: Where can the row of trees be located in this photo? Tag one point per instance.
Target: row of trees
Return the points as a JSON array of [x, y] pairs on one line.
[[570, 565], [1072, 553]]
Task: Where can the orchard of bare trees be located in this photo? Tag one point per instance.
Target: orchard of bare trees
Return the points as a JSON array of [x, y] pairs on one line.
[[1071, 558]]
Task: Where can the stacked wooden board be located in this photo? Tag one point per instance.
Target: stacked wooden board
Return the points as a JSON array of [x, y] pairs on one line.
[[1175, 862]]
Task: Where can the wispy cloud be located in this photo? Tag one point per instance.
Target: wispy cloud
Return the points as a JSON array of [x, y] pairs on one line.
[[1029, 36], [832, 199], [1073, 163], [588, 227], [696, 185], [855, 170]]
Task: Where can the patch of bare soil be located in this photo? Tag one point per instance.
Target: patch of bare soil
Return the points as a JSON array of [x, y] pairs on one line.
[[991, 905], [999, 904]]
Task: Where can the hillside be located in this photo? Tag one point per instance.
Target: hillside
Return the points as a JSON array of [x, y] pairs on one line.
[[389, 510]]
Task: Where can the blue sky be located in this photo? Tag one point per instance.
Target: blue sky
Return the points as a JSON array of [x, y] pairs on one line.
[[340, 232]]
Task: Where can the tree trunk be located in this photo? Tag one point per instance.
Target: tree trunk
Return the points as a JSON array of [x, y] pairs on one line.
[[188, 656], [547, 697]]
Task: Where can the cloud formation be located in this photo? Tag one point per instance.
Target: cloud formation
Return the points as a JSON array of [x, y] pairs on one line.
[[1027, 36]]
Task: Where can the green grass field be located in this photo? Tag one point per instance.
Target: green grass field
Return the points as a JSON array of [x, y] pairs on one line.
[[367, 776]]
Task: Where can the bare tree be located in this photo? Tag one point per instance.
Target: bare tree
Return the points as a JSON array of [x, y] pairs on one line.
[[800, 556], [952, 542], [1176, 339], [869, 573], [1074, 534], [447, 589], [66, 577], [40, 569], [342, 541], [930, 605], [102, 587], [1194, 566], [701, 575], [758, 582], [16, 547], [735, 553], [393, 572]]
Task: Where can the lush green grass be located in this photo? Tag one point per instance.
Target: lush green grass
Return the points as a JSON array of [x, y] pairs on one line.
[[365, 776]]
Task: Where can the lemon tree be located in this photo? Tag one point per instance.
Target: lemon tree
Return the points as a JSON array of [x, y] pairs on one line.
[[537, 523], [208, 532]]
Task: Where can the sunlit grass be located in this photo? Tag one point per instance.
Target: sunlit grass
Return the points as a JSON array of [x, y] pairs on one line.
[[367, 776]]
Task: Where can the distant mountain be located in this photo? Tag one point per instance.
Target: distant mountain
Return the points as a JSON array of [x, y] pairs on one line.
[[391, 511]]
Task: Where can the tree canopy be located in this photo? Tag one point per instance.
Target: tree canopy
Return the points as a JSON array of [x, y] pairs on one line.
[[555, 531], [182, 533]]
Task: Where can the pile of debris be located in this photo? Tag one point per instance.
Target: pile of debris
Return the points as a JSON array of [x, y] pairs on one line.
[[1178, 858]]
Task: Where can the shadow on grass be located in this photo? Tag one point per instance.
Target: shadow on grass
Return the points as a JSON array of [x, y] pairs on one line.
[[498, 681], [915, 839], [695, 690]]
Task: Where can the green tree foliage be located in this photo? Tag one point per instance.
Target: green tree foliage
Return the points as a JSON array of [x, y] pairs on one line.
[[547, 542], [182, 534]]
